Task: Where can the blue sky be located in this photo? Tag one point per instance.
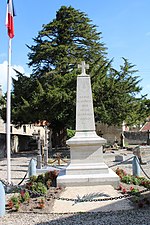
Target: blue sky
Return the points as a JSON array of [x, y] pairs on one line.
[[125, 27]]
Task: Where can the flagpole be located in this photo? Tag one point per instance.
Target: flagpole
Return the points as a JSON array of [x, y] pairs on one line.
[[8, 119]]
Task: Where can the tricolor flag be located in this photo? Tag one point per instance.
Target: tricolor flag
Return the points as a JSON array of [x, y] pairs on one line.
[[10, 13]]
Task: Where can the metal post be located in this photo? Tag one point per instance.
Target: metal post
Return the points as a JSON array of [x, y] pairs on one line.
[[136, 166], [45, 155], [50, 142], [8, 117], [2, 200], [32, 168], [39, 156]]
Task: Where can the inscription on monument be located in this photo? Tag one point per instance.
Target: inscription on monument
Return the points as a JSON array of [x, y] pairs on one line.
[[84, 114]]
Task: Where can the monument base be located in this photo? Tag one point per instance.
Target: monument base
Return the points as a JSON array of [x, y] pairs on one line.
[[109, 178], [87, 167]]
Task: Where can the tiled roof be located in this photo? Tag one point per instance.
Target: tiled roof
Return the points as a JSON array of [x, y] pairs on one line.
[[145, 127]]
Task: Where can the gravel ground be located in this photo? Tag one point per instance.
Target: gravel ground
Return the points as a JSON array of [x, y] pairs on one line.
[[131, 217], [119, 217]]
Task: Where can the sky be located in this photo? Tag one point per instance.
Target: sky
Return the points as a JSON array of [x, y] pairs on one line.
[[125, 27]]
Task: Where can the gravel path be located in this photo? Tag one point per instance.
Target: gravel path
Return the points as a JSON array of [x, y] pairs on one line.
[[131, 217], [19, 165]]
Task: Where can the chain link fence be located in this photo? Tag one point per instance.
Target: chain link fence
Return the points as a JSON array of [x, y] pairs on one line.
[[10, 187]]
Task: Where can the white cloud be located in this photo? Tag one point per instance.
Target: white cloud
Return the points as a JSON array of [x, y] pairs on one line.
[[3, 73]]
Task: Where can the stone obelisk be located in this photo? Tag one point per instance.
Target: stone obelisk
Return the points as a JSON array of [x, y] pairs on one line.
[[86, 166]]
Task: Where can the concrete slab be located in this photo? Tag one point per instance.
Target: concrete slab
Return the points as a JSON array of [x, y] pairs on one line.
[[123, 157], [109, 178], [63, 206]]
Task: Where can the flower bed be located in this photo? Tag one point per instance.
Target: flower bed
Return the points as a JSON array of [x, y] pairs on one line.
[[133, 185], [36, 194]]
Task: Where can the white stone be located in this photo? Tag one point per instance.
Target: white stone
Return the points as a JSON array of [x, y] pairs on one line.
[[86, 166], [89, 179]]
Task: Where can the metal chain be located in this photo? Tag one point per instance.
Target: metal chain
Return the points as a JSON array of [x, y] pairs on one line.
[[142, 168], [121, 162], [85, 200], [25, 173], [5, 183], [72, 199], [128, 160], [75, 199], [101, 199]]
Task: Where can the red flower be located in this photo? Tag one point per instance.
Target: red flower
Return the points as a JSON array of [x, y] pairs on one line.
[[22, 192], [120, 187], [131, 188], [124, 191]]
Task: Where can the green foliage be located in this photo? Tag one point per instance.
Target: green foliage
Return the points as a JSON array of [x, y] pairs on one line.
[[33, 178], [15, 199], [24, 196], [50, 91], [41, 188], [130, 179], [134, 191], [126, 179], [135, 180], [115, 97], [41, 178], [36, 187], [70, 133], [42, 182], [14, 202]]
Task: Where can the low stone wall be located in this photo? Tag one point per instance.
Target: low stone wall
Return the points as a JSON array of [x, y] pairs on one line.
[[142, 150], [136, 138], [110, 133], [18, 143]]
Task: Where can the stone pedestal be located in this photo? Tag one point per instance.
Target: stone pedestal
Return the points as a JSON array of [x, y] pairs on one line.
[[86, 167]]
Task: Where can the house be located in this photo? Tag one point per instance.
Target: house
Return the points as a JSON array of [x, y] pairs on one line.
[[22, 138], [146, 127]]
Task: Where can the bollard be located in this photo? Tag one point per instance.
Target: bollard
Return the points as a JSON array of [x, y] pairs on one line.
[[32, 168], [135, 166], [39, 162], [45, 155], [2, 200]]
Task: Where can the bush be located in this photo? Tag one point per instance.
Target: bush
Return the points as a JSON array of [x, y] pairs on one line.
[[14, 202], [42, 182], [135, 180], [70, 133], [126, 179], [129, 179], [38, 187], [24, 196]]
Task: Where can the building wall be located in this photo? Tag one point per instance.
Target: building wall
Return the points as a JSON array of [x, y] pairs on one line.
[[113, 133], [110, 133], [20, 137], [136, 138]]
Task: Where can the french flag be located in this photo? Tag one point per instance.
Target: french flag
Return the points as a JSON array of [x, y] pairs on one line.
[[10, 13]]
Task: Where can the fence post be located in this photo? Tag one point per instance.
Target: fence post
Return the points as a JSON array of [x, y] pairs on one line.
[[39, 156], [136, 166], [2, 200], [45, 155], [32, 168]]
